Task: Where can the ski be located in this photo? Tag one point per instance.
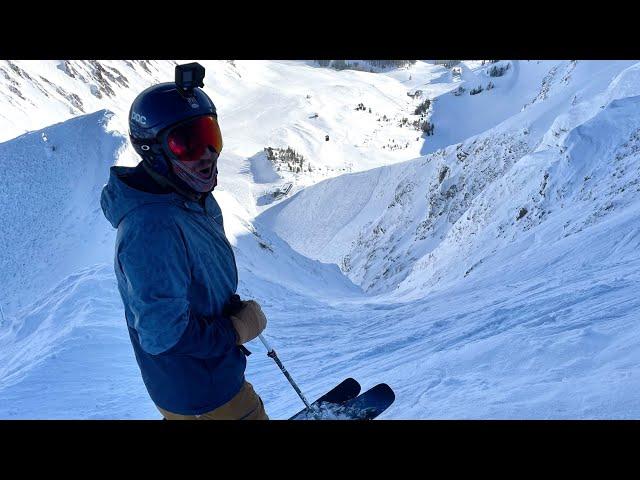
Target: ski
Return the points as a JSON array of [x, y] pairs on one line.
[[344, 391], [366, 406]]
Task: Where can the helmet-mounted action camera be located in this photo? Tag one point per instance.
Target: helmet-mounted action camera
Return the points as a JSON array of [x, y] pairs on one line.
[[189, 76]]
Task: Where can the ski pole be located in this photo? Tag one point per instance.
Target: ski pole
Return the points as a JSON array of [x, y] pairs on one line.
[[272, 354]]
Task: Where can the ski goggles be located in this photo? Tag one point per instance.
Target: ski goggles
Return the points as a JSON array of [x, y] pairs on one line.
[[188, 141]]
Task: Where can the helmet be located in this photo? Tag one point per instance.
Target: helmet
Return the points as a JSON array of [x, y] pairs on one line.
[[159, 119]]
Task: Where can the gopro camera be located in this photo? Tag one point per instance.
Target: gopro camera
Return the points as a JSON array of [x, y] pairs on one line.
[[189, 76]]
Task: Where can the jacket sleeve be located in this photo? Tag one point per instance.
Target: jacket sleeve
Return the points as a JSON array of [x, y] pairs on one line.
[[154, 262]]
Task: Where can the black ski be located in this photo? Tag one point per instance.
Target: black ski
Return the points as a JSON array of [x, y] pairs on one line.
[[344, 391], [366, 406]]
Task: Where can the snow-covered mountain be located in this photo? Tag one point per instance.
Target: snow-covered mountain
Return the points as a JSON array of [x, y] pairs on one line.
[[426, 215], [484, 269]]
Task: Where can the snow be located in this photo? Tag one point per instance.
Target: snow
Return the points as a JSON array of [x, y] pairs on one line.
[[329, 411], [49, 195], [487, 271]]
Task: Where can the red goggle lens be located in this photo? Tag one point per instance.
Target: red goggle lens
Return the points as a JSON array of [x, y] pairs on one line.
[[190, 141]]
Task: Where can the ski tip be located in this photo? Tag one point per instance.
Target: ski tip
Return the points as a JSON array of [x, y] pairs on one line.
[[384, 388]]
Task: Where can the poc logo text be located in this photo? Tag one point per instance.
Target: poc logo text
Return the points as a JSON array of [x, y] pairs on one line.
[[139, 118]]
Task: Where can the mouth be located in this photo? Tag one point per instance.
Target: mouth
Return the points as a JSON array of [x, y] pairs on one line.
[[205, 171]]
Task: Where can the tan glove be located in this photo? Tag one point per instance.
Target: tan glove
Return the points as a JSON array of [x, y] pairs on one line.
[[249, 322]]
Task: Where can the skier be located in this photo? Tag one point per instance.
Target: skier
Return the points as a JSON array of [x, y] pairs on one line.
[[175, 268]]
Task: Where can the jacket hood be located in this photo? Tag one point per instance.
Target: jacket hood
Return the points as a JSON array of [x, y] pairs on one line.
[[119, 199]]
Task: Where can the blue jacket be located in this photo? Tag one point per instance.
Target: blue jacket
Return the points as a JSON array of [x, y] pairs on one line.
[[175, 270]]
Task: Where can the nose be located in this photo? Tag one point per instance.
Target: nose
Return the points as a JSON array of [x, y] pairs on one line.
[[208, 154]]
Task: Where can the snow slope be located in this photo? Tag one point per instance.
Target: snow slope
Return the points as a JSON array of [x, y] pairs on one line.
[[49, 190], [491, 278], [395, 218], [488, 315]]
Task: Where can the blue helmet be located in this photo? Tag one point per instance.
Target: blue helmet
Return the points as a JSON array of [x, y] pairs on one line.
[[155, 110]]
